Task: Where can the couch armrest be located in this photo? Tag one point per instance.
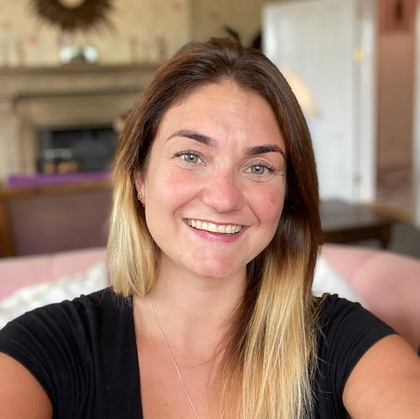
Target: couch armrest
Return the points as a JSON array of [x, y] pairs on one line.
[[388, 283]]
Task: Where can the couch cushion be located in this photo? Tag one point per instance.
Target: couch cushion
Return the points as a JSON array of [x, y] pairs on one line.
[[19, 272], [328, 280], [67, 288]]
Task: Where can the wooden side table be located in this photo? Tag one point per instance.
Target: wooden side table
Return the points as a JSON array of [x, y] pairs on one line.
[[343, 222]]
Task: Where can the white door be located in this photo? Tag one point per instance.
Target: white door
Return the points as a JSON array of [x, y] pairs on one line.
[[330, 45]]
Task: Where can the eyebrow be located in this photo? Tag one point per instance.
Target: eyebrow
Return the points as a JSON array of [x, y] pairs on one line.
[[201, 138], [266, 148], [208, 141]]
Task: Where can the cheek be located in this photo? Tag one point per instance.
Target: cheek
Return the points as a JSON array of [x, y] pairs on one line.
[[273, 201], [170, 189], [269, 203]]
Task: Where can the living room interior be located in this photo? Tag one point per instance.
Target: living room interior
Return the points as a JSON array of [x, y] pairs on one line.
[[66, 86]]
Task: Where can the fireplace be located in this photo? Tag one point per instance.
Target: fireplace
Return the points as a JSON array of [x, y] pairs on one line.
[[76, 149], [42, 108]]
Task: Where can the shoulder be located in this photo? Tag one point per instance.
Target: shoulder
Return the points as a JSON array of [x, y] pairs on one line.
[[342, 319], [346, 331], [70, 344], [68, 327]]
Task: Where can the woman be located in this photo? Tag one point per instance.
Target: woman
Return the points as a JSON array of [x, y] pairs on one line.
[[214, 237]]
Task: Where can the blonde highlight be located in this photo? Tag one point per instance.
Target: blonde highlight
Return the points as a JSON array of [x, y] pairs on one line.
[[269, 354]]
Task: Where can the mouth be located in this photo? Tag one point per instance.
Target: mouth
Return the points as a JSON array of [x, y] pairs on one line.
[[214, 228]]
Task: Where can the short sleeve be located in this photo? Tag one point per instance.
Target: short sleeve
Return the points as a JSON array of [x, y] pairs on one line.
[[83, 353], [347, 331], [51, 342]]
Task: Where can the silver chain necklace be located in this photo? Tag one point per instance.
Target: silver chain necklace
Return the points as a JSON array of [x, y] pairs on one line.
[[173, 360]]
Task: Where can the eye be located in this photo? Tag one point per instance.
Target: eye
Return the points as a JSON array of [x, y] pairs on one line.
[[257, 170], [190, 157], [260, 169]]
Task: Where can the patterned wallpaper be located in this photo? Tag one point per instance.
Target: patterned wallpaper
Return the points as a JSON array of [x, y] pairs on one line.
[[209, 18], [143, 28]]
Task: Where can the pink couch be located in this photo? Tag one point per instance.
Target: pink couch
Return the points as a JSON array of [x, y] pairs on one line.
[[389, 284], [19, 272]]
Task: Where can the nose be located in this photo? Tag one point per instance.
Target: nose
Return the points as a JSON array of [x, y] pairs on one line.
[[223, 193]]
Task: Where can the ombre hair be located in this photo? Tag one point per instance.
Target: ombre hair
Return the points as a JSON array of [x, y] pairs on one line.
[[270, 354]]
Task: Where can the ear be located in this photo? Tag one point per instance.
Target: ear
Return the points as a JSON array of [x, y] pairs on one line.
[[139, 184]]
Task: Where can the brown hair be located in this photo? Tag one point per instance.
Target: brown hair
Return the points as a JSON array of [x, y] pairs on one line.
[[281, 275]]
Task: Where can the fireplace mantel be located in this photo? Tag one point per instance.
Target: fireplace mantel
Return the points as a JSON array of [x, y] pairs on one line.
[[66, 96], [73, 79]]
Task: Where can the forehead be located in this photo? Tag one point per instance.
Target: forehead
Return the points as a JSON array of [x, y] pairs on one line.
[[223, 109]]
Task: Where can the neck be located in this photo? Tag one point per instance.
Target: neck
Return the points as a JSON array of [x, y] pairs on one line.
[[194, 312]]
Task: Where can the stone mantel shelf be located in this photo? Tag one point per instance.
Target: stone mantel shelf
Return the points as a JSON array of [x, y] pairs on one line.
[[61, 97], [16, 83], [77, 68]]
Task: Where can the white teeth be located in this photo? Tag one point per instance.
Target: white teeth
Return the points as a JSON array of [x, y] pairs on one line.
[[224, 229], [212, 227]]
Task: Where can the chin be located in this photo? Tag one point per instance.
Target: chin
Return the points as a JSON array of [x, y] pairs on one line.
[[216, 270]]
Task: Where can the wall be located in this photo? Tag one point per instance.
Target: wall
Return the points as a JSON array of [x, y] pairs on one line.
[[395, 95], [139, 27], [209, 17], [416, 125]]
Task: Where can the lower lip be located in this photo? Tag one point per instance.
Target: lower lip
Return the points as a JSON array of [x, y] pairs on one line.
[[217, 237]]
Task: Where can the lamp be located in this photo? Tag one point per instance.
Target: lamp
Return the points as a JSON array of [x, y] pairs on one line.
[[302, 93]]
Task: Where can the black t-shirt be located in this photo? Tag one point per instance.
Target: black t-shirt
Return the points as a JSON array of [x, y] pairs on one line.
[[83, 353]]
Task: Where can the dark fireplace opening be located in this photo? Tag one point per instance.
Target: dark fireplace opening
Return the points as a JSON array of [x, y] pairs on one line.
[[82, 149]]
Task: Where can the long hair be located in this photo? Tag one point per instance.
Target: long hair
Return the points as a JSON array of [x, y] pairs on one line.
[[271, 347]]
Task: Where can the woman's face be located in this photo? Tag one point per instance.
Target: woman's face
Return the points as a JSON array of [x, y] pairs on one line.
[[215, 183]]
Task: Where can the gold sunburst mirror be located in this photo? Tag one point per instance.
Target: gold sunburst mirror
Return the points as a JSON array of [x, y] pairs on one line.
[[73, 15]]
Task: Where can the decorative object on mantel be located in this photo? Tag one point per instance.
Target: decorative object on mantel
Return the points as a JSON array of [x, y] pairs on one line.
[[72, 54], [73, 15]]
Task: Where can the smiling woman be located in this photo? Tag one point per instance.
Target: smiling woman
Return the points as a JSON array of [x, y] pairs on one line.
[[214, 237], [210, 153]]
